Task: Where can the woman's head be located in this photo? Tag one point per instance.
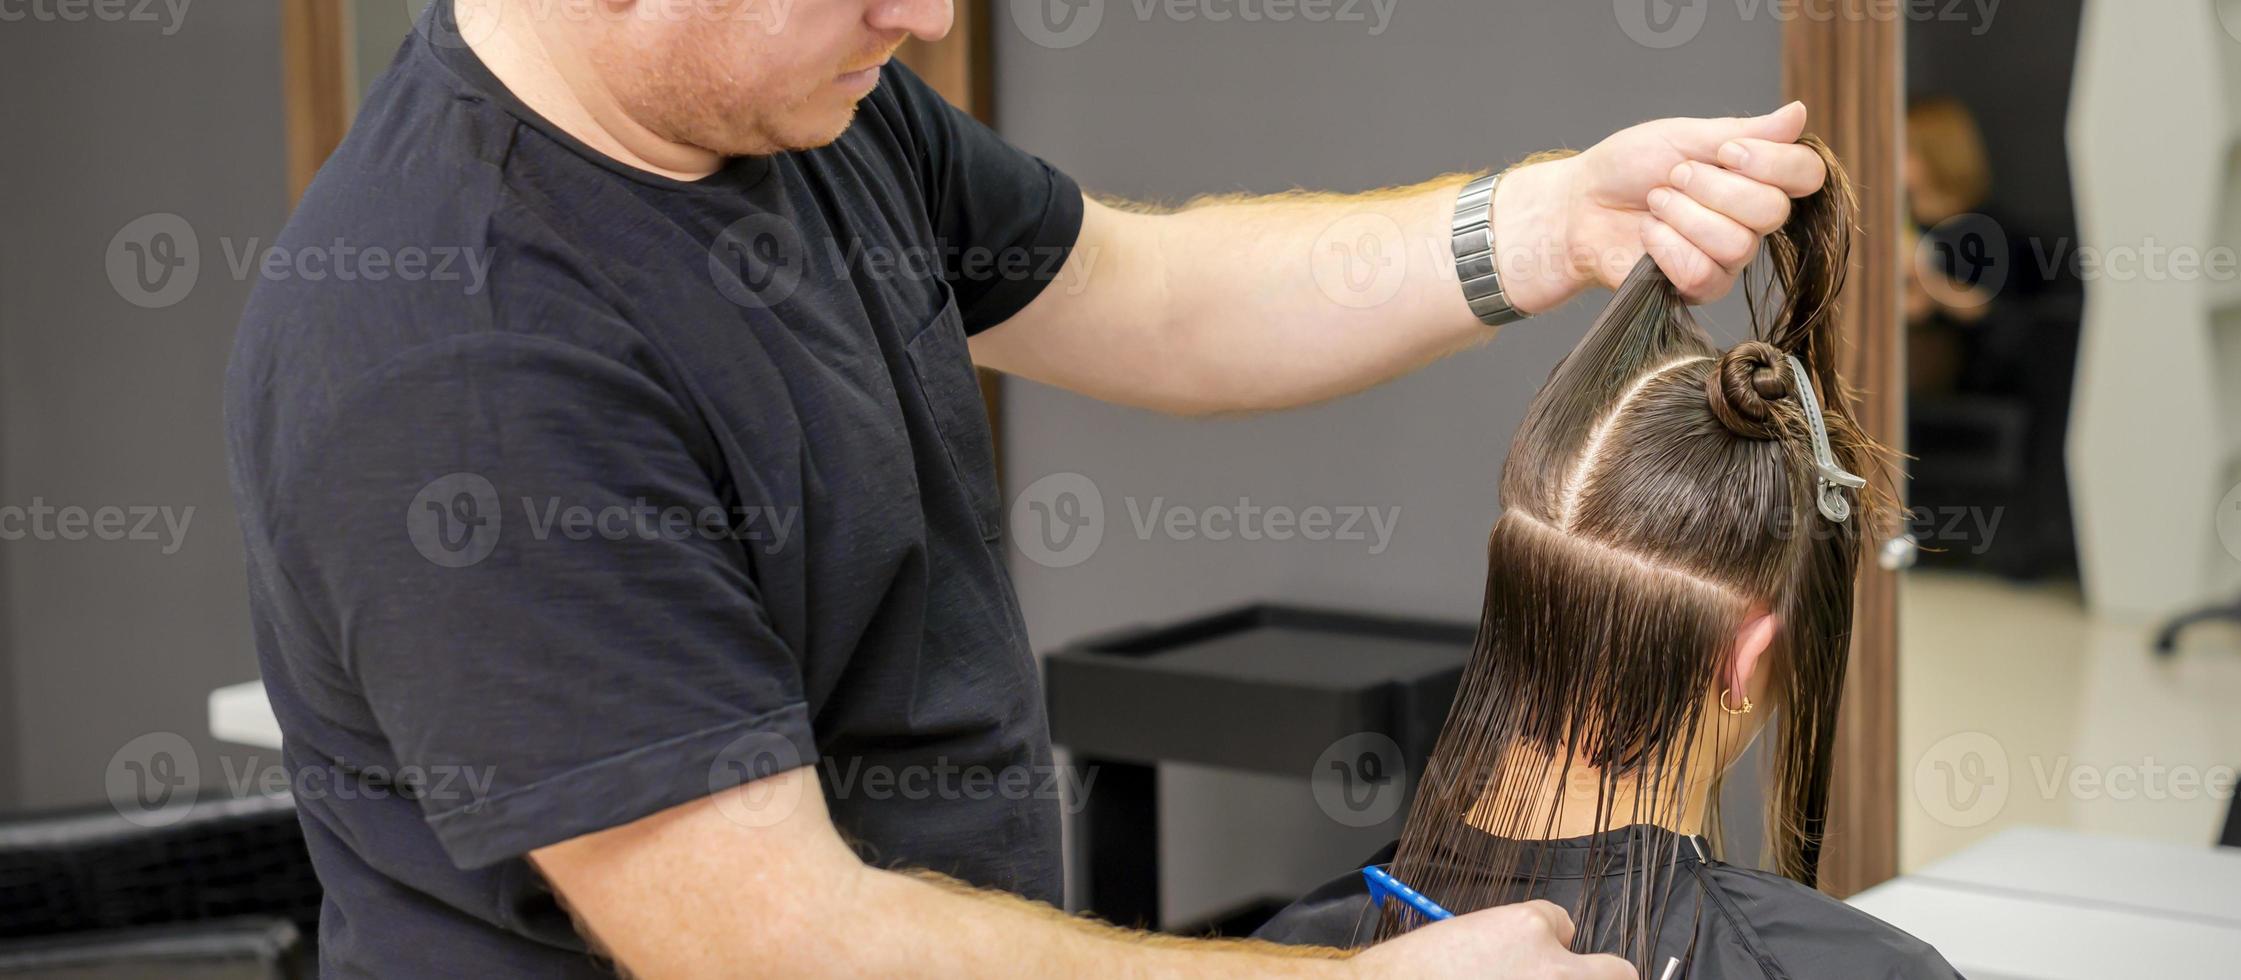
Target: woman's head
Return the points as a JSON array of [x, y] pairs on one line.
[[1666, 551], [1946, 169]]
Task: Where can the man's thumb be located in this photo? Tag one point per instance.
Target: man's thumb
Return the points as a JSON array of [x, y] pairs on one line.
[[1783, 125]]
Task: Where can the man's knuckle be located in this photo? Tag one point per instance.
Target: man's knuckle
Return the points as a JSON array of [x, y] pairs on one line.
[[1734, 248]]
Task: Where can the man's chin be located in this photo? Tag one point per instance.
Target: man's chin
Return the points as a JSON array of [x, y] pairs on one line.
[[807, 130]]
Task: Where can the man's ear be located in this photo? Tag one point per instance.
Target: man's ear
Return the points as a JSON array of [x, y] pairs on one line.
[[1751, 642]]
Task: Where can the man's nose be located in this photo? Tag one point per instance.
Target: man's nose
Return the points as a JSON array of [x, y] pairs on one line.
[[928, 20]]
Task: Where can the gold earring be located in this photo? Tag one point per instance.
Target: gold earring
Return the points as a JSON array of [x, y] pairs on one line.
[[1744, 710]]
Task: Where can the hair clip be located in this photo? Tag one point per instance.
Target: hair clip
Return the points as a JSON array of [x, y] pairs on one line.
[[1830, 475]]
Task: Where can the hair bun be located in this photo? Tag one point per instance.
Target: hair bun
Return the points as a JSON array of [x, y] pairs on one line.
[[1743, 386]]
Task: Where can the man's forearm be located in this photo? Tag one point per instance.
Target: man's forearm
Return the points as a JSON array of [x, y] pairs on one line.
[[1265, 302], [755, 881], [882, 923], [985, 933]]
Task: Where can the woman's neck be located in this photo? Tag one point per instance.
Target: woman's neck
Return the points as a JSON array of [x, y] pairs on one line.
[[1578, 804]]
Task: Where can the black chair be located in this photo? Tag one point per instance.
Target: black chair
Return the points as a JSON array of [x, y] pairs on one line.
[[1998, 445], [225, 892]]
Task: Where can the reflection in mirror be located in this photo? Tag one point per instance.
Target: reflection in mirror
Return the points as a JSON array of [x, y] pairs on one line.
[[2062, 384]]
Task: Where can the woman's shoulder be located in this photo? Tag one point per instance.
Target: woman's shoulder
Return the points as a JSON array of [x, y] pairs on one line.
[[1805, 933]]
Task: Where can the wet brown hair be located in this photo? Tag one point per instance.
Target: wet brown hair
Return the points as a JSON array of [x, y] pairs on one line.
[[1659, 492]]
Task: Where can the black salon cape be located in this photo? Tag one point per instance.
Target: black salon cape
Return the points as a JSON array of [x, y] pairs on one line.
[[1720, 922]]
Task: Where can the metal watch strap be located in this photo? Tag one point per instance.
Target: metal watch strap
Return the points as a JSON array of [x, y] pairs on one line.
[[1474, 253]]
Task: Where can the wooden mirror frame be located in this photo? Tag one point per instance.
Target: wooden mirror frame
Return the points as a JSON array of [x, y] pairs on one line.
[[1849, 70]]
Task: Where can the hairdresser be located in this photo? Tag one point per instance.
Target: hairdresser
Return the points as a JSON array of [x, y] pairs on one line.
[[672, 552]]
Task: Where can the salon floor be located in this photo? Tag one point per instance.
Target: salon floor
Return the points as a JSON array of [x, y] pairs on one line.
[[2018, 707]]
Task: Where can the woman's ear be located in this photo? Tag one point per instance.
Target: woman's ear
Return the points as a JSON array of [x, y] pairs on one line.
[[1751, 643]]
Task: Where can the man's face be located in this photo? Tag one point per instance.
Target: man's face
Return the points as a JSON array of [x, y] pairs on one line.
[[754, 76]]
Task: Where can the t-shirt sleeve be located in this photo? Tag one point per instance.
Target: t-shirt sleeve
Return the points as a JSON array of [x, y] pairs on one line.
[[1006, 219], [519, 552]]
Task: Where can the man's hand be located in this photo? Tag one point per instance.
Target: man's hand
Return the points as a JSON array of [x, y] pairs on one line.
[[1528, 939], [1696, 194]]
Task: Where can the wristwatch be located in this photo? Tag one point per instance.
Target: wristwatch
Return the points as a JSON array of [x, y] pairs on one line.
[[1474, 253]]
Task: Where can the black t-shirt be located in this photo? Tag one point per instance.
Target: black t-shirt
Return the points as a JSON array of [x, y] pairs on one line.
[[572, 494]]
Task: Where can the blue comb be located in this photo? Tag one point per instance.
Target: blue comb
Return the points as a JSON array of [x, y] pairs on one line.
[[1383, 886]]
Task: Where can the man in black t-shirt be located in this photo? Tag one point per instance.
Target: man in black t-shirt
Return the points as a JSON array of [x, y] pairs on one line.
[[624, 545]]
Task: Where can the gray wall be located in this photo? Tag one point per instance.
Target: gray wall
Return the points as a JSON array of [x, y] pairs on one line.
[[1162, 108], [104, 403]]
